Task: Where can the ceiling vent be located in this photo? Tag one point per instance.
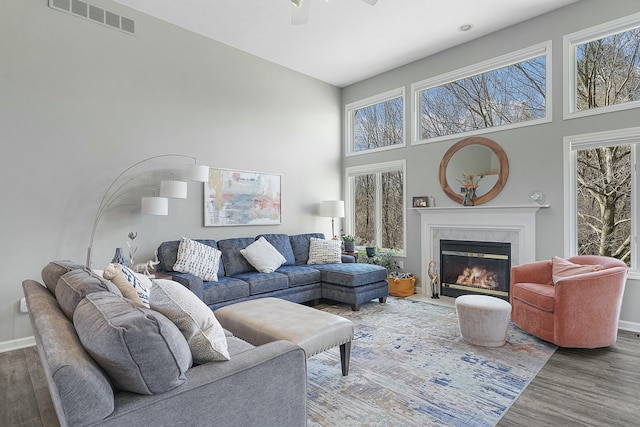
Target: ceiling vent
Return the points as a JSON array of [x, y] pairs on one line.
[[96, 14]]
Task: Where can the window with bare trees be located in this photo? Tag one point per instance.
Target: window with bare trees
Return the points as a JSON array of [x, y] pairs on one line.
[[376, 123], [604, 203], [509, 91], [376, 213], [603, 68]]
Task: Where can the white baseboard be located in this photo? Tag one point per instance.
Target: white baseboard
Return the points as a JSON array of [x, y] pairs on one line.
[[17, 344], [629, 326]]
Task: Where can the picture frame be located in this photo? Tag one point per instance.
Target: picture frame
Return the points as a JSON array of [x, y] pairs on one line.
[[234, 197], [420, 202]]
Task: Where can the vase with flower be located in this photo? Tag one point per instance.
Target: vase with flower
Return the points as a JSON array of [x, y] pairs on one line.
[[470, 183]]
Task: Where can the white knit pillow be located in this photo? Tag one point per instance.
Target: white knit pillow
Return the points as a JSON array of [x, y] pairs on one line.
[[196, 321], [324, 251], [198, 259], [263, 256]]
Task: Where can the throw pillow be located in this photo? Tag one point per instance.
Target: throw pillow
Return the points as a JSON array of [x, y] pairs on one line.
[[73, 286], [198, 259], [114, 273], [52, 272], [141, 350], [324, 251], [140, 282], [561, 268], [196, 321], [263, 256]]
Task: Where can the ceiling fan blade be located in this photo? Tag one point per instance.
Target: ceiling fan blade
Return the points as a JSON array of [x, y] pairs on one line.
[[300, 12], [371, 2]]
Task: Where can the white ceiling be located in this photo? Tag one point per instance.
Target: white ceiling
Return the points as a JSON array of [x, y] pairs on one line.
[[344, 41]]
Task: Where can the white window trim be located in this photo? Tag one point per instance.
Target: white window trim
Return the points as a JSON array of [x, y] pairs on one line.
[[540, 49], [350, 109], [352, 171], [569, 42], [593, 140]]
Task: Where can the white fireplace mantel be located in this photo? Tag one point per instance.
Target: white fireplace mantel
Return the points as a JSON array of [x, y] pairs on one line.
[[515, 224]]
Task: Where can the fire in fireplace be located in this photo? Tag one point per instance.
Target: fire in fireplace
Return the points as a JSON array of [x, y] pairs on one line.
[[469, 267]]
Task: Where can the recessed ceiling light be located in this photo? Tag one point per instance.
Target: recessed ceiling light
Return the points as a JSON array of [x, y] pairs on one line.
[[465, 27]]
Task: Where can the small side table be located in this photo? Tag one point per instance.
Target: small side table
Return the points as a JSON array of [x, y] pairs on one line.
[[353, 254]]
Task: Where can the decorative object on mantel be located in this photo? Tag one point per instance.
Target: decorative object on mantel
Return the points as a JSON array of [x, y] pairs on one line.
[[149, 205], [435, 280], [233, 197], [537, 197], [475, 156], [420, 202], [470, 184], [332, 209]]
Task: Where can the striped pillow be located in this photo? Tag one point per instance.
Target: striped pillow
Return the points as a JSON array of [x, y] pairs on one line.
[[198, 259], [324, 251]]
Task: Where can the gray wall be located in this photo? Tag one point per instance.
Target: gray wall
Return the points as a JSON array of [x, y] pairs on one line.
[[80, 102], [535, 153]]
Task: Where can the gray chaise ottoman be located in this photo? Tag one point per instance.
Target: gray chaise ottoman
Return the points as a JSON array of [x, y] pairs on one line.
[[264, 320]]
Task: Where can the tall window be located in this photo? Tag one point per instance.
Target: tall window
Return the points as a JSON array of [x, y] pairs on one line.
[[604, 205], [603, 68], [376, 213], [507, 91], [376, 123]]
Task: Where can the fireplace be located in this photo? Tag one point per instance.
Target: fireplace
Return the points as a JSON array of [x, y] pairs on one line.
[[473, 267]]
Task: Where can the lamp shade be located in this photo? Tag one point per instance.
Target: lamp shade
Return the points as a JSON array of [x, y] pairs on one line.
[[173, 189], [332, 208], [155, 206], [197, 173]]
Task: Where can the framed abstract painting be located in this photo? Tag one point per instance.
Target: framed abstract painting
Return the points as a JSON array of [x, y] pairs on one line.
[[233, 197]]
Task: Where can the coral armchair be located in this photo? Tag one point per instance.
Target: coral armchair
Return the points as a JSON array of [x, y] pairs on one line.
[[580, 311]]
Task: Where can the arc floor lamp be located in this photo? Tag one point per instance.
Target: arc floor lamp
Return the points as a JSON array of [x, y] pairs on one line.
[[154, 205]]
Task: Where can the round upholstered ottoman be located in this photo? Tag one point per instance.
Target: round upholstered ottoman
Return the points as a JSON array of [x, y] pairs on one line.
[[483, 319]]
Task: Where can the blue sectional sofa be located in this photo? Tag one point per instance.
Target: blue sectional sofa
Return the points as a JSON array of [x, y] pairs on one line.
[[348, 282]]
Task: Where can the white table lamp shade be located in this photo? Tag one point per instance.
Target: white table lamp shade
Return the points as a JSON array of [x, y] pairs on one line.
[[173, 189], [155, 206], [332, 208], [197, 173]]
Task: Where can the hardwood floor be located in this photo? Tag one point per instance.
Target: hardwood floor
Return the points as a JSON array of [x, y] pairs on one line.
[[576, 387], [598, 387]]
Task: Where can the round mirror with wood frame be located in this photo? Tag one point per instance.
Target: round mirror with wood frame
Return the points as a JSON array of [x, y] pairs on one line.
[[458, 148]]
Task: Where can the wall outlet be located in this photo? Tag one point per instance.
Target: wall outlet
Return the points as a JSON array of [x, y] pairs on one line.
[[401, 264], [23, 306]]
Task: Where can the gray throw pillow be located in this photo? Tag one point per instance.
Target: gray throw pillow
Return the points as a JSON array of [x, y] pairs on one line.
[[73, 286], [52, 272], [141, 350]]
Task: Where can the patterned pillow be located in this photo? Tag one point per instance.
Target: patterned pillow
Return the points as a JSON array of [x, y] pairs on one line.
[[114, 273], [324, 251], [198, 259], [195, 320], [263, 256], [140, 283]]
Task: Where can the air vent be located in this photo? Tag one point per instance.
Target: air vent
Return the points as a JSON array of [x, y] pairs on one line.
[[95, 14]]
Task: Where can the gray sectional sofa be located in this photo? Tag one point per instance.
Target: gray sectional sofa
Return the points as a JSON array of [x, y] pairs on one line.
[[348, 282], [263, 385]]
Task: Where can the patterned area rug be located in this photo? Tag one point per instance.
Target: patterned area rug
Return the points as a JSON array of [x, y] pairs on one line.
[[410, 367]]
